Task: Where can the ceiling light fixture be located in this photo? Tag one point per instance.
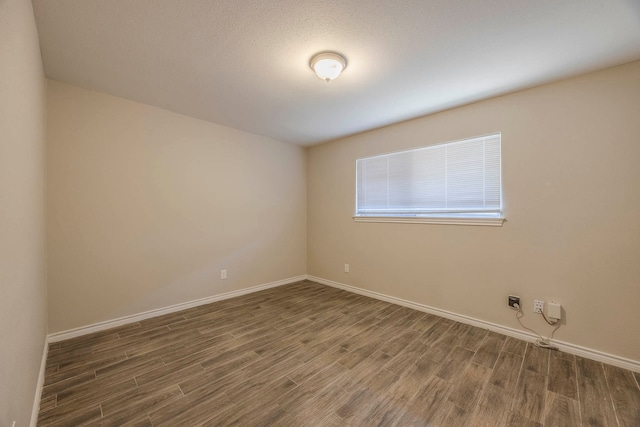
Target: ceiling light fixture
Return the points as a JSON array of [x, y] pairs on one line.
[[328, 65]]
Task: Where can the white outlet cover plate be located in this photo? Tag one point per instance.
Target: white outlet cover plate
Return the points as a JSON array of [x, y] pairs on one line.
[[538, 306]]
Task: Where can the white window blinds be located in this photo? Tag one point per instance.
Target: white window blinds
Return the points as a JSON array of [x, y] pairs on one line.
[[460, 178]]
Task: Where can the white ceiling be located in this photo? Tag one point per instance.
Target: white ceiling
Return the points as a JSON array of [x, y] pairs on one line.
[[245, 63]]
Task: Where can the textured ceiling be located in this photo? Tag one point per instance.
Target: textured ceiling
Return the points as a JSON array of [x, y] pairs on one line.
[[244, 63]]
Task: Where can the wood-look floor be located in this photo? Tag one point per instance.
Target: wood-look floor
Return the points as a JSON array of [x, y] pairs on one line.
[[311, 355]]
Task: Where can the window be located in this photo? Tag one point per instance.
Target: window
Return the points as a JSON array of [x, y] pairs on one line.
[[457, 182]]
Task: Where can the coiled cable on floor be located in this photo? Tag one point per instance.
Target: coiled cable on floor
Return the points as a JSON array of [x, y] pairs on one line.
[[541, 341]]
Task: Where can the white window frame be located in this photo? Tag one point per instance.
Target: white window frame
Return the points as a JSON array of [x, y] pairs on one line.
[[448, 218]]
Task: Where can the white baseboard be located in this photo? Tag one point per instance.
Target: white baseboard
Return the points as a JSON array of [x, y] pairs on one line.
[[632, 365], [35, 411], [101, 326], [621, 362]]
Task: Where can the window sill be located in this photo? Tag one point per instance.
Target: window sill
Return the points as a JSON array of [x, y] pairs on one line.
[[491, 222]]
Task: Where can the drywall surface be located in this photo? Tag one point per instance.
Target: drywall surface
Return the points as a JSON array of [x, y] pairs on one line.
[[147, 206], [23, 293], [571, 185]]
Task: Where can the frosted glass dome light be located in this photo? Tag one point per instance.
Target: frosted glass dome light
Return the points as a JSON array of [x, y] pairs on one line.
[[328, 65]]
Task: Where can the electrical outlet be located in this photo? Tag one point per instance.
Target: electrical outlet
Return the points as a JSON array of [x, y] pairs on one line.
[[223, 274], [346, 268], [514, 302], [538, 306]]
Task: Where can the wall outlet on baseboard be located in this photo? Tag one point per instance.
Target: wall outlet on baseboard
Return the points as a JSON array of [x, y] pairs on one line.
[[346, 268], [538, 306], [223, 274]]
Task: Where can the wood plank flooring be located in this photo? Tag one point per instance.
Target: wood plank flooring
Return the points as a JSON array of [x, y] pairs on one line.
[[311, 355]]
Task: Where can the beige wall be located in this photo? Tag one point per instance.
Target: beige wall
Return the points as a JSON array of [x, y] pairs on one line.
[[571, 173], [23, 308], [147, 206]]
